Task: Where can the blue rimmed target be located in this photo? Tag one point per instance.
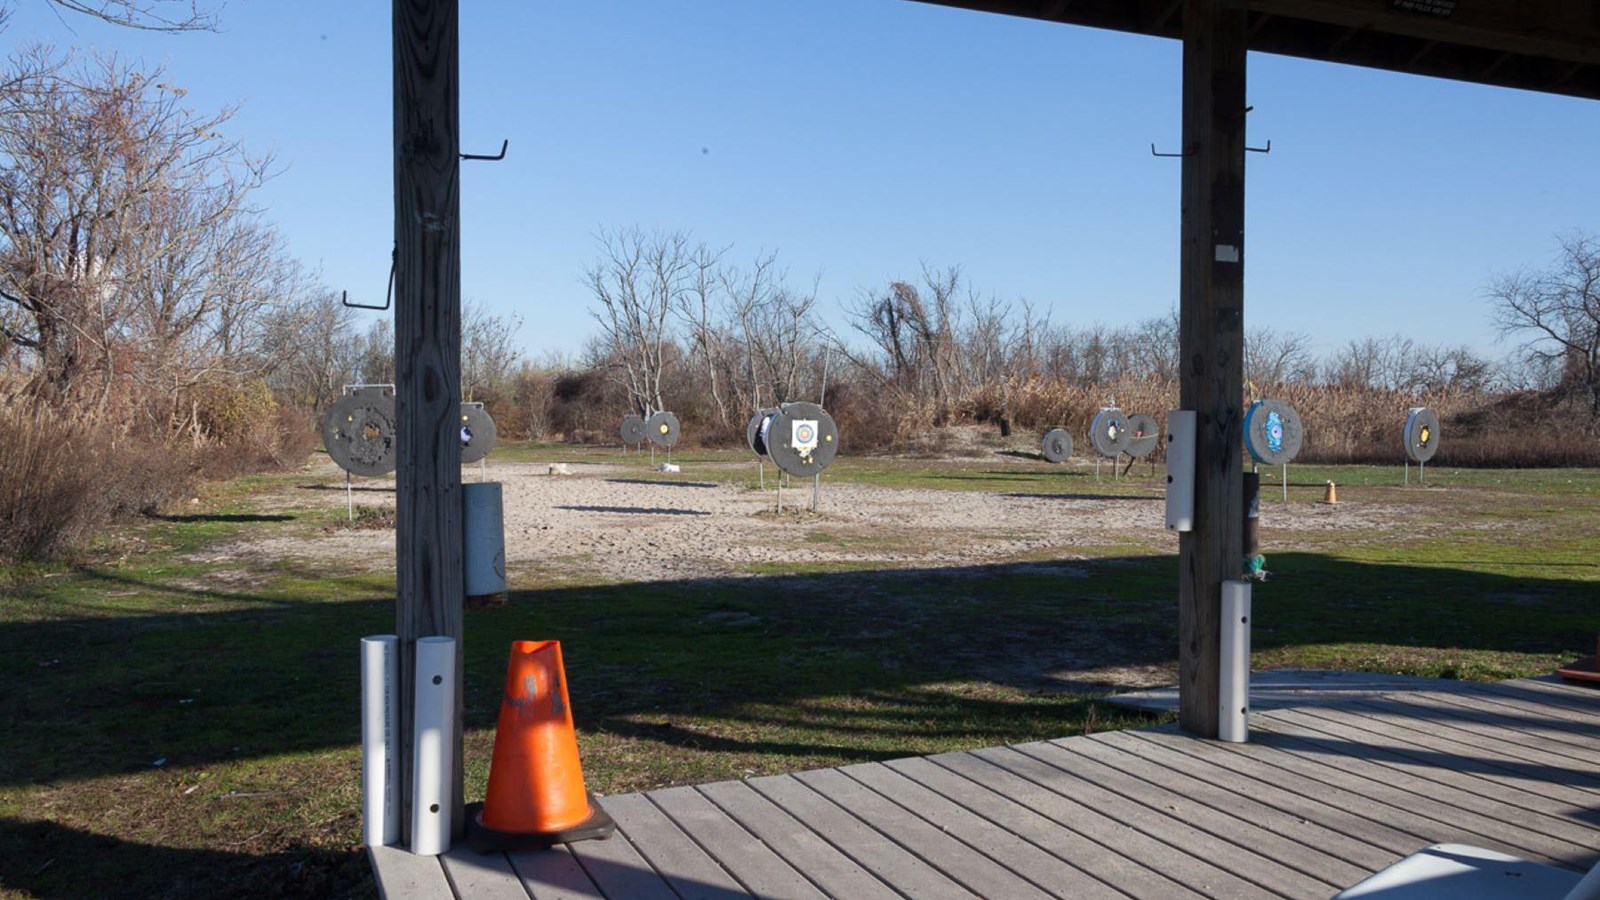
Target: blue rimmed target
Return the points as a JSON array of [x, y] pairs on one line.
[[1273, 432]]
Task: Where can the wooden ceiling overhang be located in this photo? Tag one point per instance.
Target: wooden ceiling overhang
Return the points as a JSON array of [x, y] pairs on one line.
[[1551, 46]]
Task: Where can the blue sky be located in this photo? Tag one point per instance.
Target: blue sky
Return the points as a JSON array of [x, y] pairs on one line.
[[861, 138]]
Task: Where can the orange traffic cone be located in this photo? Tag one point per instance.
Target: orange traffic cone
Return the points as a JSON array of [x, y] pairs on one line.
[[535, 796], [1330, 495]]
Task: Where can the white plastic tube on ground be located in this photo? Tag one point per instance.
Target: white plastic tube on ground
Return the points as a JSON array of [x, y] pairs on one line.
[[1233, 690], [380, 757], [433, 762], [484, 539]]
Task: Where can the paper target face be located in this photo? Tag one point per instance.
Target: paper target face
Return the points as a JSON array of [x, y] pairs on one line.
[[662, 429], [1422, 434], [632, 430], [477, 432], [1273, 432], [1056, 446], [755, 433], [802, 439], [1108, 433], [1144, 434], [359, 432]]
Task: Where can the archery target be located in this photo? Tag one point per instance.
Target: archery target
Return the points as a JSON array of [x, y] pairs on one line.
[[477, 432], [1273, 432], [802, 439], [1143, 435], [359, 432], [1422, 434], [755, 433], [632, 430], [1056, 446], [1108, 433], [662, 429]]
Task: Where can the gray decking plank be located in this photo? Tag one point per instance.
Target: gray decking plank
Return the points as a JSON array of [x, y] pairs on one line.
[[836, 874], [980, 874], [1500, 731], [1557, 686], [1336, 807], [1497, 810], [1471, 766], [1049, 873], [617, 869], [553, 874], [687, 868], [1524, 717], [760, 871], [1107, 862], [1275, 862], [481, 875], [874, 851], [1333, 831], [403, 875], [1153, 839], [1557, 703]]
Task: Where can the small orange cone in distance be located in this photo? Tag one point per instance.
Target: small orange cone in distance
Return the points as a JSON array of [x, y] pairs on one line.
[[1330, 495], [535, 796]]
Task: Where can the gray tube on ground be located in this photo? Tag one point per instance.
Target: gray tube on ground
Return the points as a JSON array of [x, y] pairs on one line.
[[484, 539]]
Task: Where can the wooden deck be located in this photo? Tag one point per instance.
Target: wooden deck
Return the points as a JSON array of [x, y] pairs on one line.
[[1320, 798]]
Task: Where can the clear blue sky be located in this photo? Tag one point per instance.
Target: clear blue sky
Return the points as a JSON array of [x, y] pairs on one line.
[[859, 138]]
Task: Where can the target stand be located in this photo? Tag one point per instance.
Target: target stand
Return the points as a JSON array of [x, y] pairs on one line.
[[632, 433], [1421, 437], [358, 432], [1144, 435], [1273, 434], [801, 439], [1110, 436], [662, 431]]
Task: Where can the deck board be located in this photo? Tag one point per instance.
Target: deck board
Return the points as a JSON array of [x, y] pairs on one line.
[[1321, 797]]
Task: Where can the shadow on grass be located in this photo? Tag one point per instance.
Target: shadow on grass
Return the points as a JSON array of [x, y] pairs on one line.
[[224, 517], [1048, 496], [45, 859], [661, 482], [358, 488], [638, 510]]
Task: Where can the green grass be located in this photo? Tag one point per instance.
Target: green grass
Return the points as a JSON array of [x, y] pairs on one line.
[[181, 722]]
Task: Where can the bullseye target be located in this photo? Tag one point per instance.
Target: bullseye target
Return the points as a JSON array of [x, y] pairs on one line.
[[1056, 446], [477, 432], [1273, 432], [1421, 434], [1108, 433], [632, 430], [359, 432], [802, 439], [1143, 435], [662, 429]]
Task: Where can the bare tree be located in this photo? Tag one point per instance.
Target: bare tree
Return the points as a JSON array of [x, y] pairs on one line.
[[1557, 314], [489, 353], [699, 307], [147, 15], [1272, 358], [637, 282]]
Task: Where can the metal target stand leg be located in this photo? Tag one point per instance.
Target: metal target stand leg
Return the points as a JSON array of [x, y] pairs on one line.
[[1286, 484], [349, 500], [816, 488]]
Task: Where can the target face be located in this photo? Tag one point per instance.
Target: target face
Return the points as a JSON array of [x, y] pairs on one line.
[[1273, 432], [1109, 431], [477, 432], [1421, 434], [1056, 446], [359, 432], [632, 430], [802, 439], [1144, 434], [662, 429]]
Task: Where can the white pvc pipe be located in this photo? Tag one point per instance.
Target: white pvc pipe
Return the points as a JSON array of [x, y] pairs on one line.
[[1180, 469], [483, 539], [433, 755], [380, 758], [1233, 690]]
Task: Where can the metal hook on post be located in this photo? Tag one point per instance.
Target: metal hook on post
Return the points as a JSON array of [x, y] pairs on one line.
[[388, 294], [1155, 152], [490, 158]]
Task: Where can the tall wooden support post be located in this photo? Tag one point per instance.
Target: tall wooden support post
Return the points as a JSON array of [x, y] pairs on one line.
[[1211, 338], [427, 333]]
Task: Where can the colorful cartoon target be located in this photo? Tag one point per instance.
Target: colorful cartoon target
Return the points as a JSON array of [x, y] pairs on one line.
[[477, 432], [662, 429], [1144, 434], [359, 432], [1056, 446], [1273, 432], [1108, 433], [632, 430], [1422, 434], [801, 439]]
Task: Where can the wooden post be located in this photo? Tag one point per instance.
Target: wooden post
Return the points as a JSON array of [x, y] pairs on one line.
[[1211, 338], [427, 335]]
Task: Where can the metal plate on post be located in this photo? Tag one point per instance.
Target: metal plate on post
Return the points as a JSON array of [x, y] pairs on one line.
[[359, 432], [1108, 433], [1144, 434], [662, 429], [802, 439], [1422, 434], [1056, 446], [1273, 432], [632, 430], [755, 434], [477, 432]]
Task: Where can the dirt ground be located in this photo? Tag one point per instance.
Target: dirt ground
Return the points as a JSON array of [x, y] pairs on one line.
[[621, 522]]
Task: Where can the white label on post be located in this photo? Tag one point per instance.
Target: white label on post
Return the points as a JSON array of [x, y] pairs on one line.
[[1233, 689], [1180, 469]]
